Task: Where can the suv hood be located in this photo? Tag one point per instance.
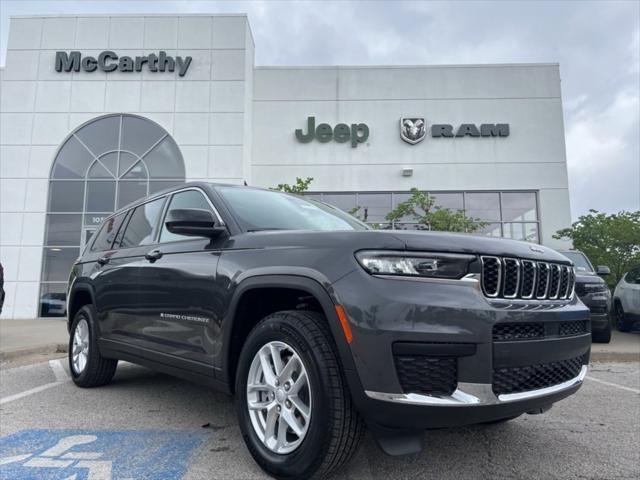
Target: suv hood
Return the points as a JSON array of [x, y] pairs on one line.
[[398, 240]]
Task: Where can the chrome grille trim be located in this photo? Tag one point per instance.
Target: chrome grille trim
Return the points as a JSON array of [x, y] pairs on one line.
[[553, 271], [543, 269], [485, 260], [507, 261], [534, 281], [512, 278]]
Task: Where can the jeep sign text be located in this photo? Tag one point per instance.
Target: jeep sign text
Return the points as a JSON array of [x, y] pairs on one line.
[[109, 61], [357, 132]]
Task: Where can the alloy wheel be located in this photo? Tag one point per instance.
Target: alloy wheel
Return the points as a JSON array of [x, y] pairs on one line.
[[80, 353], [279, 397]]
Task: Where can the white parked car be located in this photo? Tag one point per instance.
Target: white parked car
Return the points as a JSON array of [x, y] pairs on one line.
[[626, 300]]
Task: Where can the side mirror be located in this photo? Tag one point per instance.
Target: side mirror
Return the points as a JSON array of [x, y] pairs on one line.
[[194, 222], [603, 270]]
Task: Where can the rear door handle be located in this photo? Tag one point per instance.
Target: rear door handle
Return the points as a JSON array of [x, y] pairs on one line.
[[103, 260], [153, 255]]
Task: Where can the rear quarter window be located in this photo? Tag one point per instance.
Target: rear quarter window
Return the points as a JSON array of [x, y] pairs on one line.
[[107, 234]]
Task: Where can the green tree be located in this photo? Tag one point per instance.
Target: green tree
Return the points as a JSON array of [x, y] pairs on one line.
[[422, 208], [301, 186], [611, 240]]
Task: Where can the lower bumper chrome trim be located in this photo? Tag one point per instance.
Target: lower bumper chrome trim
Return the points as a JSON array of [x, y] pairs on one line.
[[474, 394]]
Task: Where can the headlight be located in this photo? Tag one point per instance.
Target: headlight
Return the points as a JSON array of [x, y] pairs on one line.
[[418, 264], [595, 287]]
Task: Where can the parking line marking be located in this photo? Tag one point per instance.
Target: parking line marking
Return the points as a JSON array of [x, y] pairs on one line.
[[58, 370], [26, 393], [621, 387]]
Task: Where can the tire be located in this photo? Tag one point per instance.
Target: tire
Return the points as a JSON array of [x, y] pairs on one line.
[[96, 370], [334, 429], [602, 336], [621, 322]]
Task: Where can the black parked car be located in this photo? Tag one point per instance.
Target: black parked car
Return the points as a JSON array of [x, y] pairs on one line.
[[594, 293], [318, 324]]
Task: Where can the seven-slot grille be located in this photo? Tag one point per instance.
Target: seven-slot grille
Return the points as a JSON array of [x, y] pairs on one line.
[[504, 277]]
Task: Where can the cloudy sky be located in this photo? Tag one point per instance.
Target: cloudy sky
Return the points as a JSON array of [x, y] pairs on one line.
[[596, 43]]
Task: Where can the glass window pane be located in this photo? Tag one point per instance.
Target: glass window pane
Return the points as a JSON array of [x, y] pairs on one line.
[[97, 170], [63, 230], [56, 264], [130, 191], [140, 229], [161, 185], [344, 201], [107, 234], [397, 199], [188, 199], [484, 206], [110, 160], [101, 196], [522, 231], [72, 160], [136, 172], [491, 230], [53, 298], [66, 196], [519, 206], [139, 134], [126, 162], [452, 201], [101, 136], [373, 206], [165, 160]]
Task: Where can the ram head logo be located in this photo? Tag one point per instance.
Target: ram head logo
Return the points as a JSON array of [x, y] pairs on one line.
[[412, 130]]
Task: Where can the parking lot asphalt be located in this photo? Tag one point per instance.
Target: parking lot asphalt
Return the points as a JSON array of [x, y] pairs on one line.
[[150, 425]]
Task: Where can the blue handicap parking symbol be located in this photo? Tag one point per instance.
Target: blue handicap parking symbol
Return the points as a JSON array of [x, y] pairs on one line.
[[97, 454]]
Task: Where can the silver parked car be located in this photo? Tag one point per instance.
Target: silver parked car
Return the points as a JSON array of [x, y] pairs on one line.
[[626, 300]]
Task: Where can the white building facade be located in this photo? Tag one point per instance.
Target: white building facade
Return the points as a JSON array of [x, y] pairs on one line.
[[97, 111]]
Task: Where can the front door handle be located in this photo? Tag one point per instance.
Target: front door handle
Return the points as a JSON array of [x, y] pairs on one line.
[[153, 255], [103, 260]]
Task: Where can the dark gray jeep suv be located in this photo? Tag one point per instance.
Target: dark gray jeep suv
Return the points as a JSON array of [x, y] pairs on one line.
[[318, 325]]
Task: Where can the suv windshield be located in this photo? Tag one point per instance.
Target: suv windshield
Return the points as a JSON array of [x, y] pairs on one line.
[[268, 210], [580, 261]]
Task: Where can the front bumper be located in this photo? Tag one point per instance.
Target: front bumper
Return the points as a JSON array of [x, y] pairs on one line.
[[477, 394], [447, 313]]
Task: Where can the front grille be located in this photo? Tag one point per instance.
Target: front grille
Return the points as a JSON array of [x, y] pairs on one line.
[[516, 278], [534, 377], [427, 375], [573, 328], [505, 332]]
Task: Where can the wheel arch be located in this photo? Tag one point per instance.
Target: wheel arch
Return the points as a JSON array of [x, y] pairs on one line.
[[79, 296], [235, 335]]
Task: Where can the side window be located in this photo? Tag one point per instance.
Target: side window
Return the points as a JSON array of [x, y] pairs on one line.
[[141, 227], [107, 234], [633, 276], [186, 199]]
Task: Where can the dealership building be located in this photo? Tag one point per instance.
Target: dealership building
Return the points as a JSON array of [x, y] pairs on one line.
[[97, 111]]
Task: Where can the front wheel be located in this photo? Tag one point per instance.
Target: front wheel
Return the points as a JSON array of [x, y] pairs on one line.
[[294, 407], [621, 322]]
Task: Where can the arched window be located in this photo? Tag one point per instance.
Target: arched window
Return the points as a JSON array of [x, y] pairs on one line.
[[102, 166]]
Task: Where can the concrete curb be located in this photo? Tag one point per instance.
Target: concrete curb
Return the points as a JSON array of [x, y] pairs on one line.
[[17, 353], [614, 357]]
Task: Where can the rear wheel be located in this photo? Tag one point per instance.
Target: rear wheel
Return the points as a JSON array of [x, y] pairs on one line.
[[293, 404], [622, 324], [88, 368]]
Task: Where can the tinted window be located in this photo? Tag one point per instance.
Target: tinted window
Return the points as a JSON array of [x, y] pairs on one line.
[[485, 206], [187, 199], [269, 210], [57, 263], [140, 229], [63, 229], [579, 260], [107, 234], [519, 207]]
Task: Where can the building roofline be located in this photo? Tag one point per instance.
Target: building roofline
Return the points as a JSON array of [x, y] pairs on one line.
[[416, 66], [73, 15]]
